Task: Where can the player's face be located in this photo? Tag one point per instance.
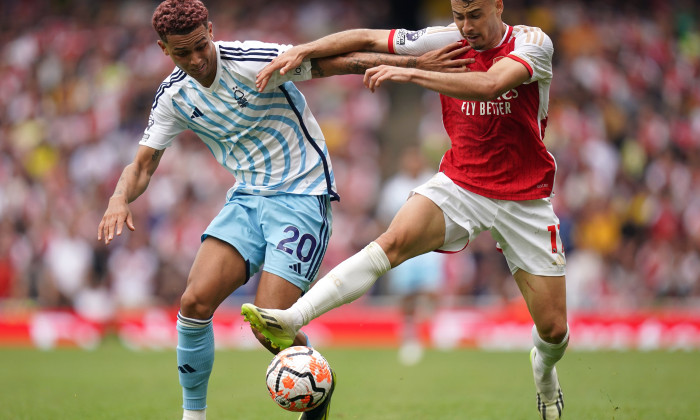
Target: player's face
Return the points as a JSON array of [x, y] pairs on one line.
[[194, 53], [479, 21]]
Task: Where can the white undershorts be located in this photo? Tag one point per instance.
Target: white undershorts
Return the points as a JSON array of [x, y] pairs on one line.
[[526, 232]]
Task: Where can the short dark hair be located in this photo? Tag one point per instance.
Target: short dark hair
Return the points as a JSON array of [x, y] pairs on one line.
[[179, 17]]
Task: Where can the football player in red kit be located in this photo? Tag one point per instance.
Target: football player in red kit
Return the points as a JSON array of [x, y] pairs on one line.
[[497, 176]]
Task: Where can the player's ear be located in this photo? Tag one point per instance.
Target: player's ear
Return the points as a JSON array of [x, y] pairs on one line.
[[163, 47], [210, 29]]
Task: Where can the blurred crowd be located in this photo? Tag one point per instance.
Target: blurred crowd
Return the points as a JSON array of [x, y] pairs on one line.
[[77, 79]]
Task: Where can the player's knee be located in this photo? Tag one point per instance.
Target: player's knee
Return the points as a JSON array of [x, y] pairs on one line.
[[193, 306], [554, 331], [400, 244], [388, 241], [393, 243]]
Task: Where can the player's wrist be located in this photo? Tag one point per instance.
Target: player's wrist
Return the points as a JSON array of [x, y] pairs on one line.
[[311, 50], [119, 197]]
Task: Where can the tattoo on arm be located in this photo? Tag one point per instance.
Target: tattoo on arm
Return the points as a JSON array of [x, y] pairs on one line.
[[357, 63], [155, 155], [364, 60], [393, 60], [120, 185], [119, 190], [410, 62], [317, 70]]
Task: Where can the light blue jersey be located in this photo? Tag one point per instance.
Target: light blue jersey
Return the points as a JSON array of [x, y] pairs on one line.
[[269, 141]]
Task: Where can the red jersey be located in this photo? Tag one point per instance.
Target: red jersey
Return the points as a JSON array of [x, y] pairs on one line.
[[497, 149]]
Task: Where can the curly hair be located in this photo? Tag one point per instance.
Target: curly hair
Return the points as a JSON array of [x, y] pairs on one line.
[[179, 17]]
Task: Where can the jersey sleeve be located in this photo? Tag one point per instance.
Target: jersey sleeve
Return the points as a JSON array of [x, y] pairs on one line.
[[534, 49], [247, 58], [405, 42], [163, 125]]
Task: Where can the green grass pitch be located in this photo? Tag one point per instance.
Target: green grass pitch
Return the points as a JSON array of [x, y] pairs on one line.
[[115, 383]]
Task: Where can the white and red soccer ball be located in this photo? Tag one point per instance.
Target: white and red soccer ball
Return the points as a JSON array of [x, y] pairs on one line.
[[299, 378]]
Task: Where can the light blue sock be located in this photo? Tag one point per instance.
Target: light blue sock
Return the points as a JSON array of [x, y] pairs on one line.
[[308, 342], [195, 359]]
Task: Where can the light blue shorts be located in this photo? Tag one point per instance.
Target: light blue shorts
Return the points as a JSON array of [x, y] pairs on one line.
[[421, 274], [287, 233]]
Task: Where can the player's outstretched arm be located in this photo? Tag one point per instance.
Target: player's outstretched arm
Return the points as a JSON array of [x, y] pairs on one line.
[[442, 60], [334, 44], [132, 183], [470, 86], [445, 59]]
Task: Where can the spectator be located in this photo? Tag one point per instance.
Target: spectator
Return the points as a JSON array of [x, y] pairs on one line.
[[624, 125]]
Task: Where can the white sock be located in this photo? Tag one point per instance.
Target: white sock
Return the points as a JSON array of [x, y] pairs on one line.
[[548, 354], [194, 415], [346, 282]]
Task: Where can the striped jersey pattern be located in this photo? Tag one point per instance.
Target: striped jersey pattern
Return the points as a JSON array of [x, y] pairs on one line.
[[269, 140]]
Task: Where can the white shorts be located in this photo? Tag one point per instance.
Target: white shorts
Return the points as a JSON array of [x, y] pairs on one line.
[[526, 232]]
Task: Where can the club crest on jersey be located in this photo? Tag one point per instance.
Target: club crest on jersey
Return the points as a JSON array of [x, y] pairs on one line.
[[240, 98]]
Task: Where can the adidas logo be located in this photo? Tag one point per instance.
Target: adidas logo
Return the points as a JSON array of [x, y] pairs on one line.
[[196, 113], [186, 368], [296, 267]]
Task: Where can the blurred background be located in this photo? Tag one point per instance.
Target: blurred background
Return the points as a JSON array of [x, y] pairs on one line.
[[77, 79]]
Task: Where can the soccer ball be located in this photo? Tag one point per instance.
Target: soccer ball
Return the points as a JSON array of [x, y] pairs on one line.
[[299, 378]]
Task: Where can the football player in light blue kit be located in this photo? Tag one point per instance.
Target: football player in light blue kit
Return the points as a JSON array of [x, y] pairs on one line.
[[278, 211]]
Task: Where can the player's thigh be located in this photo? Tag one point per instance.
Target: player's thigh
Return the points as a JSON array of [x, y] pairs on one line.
[[275, 292], [417, 228], [546, 300], [296, 231], [217, 271]]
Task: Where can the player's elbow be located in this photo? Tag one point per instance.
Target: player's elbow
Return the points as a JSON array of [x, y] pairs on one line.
[[143, 170], [484, 90], [489, 91]]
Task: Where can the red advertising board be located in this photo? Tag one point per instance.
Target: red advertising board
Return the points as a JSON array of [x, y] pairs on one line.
[[362, 325]]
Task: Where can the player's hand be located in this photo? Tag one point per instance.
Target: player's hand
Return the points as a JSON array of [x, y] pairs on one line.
[[376, 75], [116, 215], [284, 62], [445, 60]]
